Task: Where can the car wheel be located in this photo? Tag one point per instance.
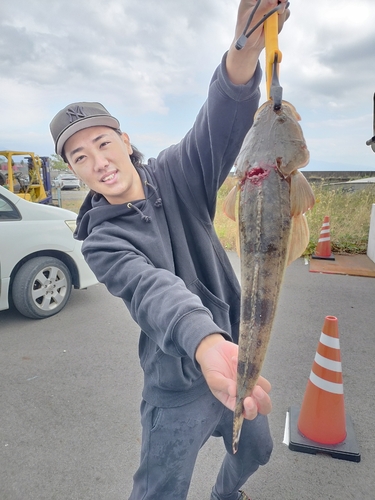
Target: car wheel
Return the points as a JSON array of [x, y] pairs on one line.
[[41, 287]]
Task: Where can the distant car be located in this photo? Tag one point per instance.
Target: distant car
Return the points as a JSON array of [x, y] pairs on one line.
[[40, 260], [66, 181]]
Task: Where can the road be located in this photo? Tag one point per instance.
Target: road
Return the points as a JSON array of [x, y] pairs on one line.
[[70, 390]]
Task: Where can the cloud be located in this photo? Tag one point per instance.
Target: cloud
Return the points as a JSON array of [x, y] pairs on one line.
[[150, 64]]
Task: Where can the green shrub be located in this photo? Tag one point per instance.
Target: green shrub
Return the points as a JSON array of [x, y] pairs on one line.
[[349, 214]]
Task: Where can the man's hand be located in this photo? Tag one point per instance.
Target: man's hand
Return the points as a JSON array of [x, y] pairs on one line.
[[218, 361], [241, 64]]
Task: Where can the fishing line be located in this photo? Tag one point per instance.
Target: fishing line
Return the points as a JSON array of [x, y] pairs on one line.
[[240, 43]]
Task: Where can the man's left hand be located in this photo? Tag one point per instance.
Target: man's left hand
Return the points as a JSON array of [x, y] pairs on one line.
[[218, 361]]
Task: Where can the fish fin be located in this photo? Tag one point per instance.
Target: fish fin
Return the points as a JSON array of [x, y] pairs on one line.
[[299, 238], [230, 203], [302, 197]]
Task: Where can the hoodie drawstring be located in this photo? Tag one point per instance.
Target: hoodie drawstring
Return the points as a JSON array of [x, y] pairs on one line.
[[158, 203], [144, 217]]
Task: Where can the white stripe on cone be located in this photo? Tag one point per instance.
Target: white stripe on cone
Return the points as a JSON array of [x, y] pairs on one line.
[[329, 364], [329, 341]]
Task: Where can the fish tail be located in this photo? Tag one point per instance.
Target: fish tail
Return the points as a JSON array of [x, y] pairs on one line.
[[237, 425]]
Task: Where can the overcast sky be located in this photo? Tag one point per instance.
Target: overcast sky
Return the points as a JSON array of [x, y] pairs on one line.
[[149, 62]]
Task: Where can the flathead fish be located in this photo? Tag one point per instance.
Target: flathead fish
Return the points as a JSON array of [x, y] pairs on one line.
[[272, 231]]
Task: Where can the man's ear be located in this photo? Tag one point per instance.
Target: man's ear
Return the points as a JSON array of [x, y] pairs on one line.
[[70, 168], [126, 139]]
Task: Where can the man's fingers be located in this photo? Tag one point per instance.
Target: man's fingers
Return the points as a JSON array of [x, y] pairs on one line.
[[282, 18], [258, 402], [218, 383], [264, 384]]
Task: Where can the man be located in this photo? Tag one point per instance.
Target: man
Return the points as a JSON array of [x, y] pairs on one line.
[[149, 237]]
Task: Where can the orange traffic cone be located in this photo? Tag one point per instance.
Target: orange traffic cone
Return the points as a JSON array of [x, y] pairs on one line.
[[321, 424], [322, 415], [323, 248]]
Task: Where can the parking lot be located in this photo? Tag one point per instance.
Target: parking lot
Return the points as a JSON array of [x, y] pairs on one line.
[[70, 390]]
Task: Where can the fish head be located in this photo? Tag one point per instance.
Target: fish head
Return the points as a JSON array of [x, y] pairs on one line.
[[275, 138], [290, 146]]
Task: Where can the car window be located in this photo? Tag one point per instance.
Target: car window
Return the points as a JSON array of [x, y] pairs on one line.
[[8, 211]]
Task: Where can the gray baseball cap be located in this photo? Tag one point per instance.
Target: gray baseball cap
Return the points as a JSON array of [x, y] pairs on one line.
[[76, 117]]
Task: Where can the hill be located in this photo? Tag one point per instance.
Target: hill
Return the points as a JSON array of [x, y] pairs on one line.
[[336, 176]]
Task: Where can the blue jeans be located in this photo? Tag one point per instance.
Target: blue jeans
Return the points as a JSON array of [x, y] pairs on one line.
[[172, 438]]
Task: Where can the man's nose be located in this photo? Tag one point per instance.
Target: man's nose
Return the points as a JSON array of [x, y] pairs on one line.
[[100, 162]]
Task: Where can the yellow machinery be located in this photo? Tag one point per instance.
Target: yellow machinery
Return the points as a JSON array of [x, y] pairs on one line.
[[34, 183]]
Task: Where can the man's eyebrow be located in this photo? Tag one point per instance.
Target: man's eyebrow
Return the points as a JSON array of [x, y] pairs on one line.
[[77, 150], [80, 148], [100, 137]]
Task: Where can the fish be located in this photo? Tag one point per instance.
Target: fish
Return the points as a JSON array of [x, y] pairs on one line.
[[272, 231]]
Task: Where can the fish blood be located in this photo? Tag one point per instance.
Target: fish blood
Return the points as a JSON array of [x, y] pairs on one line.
[[256, 175]]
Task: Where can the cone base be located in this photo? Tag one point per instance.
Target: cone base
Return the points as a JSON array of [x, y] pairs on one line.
[[347, 450], [329, 257]]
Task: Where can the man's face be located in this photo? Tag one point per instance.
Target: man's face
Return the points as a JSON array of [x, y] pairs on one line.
[[99, 156]]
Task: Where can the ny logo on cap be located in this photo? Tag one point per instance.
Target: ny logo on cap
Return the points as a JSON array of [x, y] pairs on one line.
[[75, 113]]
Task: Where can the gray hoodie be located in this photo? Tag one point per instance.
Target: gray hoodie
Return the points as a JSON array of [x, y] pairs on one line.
[[161, 255]]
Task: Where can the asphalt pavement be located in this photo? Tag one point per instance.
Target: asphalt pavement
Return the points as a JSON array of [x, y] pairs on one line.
[[70, 391]]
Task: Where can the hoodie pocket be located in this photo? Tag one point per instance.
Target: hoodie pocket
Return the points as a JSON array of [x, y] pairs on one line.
[[175, 374], [219, 309]]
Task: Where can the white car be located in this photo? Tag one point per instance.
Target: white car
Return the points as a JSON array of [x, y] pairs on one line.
[[40, 260], [66, 181]]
